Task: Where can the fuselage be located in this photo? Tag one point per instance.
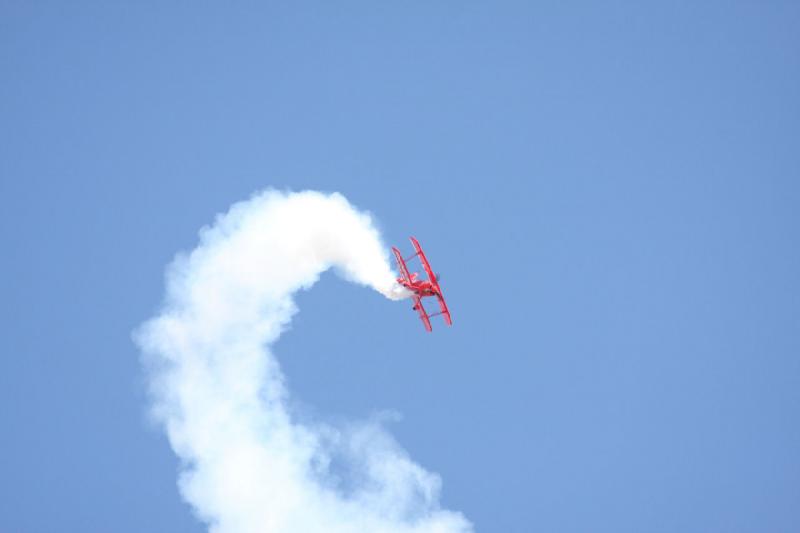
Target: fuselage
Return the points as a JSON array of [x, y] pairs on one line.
[[419, 287]]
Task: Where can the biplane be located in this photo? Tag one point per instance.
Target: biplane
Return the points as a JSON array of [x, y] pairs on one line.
[[421, 288]]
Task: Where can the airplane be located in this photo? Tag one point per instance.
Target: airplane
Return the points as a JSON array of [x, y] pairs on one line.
[[421, 288]]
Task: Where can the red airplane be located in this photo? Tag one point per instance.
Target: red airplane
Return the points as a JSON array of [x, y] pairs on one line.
[[421, 288]]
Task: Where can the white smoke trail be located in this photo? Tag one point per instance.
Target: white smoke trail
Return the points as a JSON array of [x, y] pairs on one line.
[[247, 466]]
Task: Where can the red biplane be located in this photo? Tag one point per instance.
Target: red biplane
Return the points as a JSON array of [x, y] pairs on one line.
[[421, 288]]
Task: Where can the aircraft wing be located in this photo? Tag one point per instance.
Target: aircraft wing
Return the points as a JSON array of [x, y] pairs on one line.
[[443, 310], [424, 261], [401, 265], [423, 315]]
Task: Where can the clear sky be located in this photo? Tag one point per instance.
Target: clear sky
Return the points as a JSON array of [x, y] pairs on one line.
[[610, 189]]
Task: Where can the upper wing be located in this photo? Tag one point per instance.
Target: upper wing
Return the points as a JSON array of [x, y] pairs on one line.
[[424, 261], [443, 310], [423, 315], [401, 265]]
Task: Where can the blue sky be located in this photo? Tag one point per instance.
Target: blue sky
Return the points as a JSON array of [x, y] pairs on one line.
[[610, 191]]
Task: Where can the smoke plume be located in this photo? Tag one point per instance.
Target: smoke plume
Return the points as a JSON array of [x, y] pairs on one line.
[[246, 465]]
